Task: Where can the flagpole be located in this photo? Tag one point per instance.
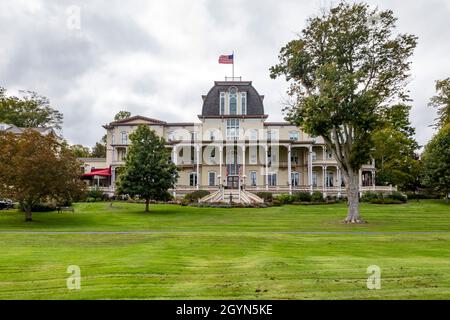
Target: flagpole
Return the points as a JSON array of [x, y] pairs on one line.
[[232, 74]]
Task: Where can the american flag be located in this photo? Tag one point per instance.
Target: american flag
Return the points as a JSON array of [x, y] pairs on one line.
[[226, 59]]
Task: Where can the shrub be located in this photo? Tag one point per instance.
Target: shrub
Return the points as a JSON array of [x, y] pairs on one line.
[[317, 196], [302, 196], [368, 196], [285, 198], [276, 203], [397, 196], [266, 196], [385, 201], [95, 194], [196, 195]]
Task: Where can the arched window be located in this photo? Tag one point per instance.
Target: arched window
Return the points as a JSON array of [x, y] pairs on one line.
[[222, 103], [233, 101], [244, 102]]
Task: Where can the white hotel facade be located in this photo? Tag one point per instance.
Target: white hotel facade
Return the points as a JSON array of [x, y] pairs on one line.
[[234, 147]]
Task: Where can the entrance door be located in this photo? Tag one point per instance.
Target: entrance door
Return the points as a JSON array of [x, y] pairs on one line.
[[233, 182]]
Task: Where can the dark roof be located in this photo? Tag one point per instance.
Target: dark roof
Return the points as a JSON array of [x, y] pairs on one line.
[[124, 121], [211, 101]]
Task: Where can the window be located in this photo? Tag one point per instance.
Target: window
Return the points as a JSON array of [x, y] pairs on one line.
[[314, 178], [233, 101], [272, 179], [124, 137], [244, 102], [314, 155], [293, 135], [192, 179], [329, 154], [222, 103], [329, 179], [295, 179], [113, 140], [211, 179], [294, 157], [232, 129], [253, 178], [193, 135], [253, 157], [212, 136], [171, 136], [254, 135]]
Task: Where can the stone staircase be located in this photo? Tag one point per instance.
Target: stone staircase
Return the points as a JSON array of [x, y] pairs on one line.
[[224, 196]]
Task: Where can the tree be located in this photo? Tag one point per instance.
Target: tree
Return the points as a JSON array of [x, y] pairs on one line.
[[29, 110], [394, 151], [436, 162], [148, 171], [441, 101], [99, 150], [345, 68], [80, 151], [122, 115], [36, 168]]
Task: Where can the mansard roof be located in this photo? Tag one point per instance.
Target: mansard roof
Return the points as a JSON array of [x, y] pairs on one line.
[[211, 102]]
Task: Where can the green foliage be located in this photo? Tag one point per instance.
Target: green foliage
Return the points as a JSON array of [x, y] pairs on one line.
[[40, 207], [369, 196], [266, 196], [302, 196], [29, 110], [99, 150], [95, 194], [441, 101], [284, 198], [196, 195], [80, 151], [344, 68], [122, 115], [385, 201], [317, 196], [436, 162], [276, 202], [148, 171]]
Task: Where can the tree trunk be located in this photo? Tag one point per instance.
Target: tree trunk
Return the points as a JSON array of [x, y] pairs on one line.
[[28, 215], [353, 198], [147, 202]]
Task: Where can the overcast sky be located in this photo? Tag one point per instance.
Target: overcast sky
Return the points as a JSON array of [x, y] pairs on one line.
[[156, 58]]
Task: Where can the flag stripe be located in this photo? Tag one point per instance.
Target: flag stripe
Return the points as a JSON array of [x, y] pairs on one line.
[[226, 59]]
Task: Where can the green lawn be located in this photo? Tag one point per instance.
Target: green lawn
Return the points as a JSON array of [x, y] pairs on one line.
[[204, 253]]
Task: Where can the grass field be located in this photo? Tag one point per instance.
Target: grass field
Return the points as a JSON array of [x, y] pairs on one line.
[[289, 252]]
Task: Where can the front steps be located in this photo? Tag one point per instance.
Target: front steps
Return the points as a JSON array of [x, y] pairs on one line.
[[231, 195]]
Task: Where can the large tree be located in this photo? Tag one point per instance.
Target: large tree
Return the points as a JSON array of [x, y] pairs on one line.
[[28, 110], [122, 115], [441, 101], [347, 66], [395, 147], [80, 151], [148, 171], [36, 168], [436, 162], [99, 150]]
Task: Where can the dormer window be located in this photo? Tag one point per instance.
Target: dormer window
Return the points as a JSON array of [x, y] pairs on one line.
[[171, 136], [293, 135], [222, 103], [233, 101], [244, 102]]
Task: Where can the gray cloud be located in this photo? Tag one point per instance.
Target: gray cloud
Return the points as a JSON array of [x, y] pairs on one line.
[[157, 58]]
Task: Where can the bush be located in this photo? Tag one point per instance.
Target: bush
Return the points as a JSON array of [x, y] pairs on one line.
[[266, 196], [276, 203], [285, 198], [196, 195], [369, 196], [317, 196], [302, 196], [397, 196], [95, 194], [385, 201]]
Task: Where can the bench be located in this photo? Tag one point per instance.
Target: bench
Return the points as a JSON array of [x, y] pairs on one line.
[[61, 209]]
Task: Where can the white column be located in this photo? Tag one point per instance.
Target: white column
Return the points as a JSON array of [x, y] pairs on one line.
[[267, 168], [324, 178], [289, 169], [113, 179], [324, 148], [174, 155], [373, 180], [198, 166], [220, 165], [360, 182], [310, 171], [338, 173], [243, 164]]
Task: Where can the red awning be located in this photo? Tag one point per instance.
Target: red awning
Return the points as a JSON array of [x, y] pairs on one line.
[[99, 172]]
